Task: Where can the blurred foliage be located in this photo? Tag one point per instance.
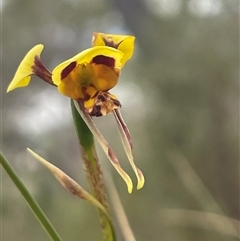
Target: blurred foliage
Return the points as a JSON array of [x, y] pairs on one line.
[[180, 100]]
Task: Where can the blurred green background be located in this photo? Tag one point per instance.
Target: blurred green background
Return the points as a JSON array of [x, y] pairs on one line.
[[180, 100]]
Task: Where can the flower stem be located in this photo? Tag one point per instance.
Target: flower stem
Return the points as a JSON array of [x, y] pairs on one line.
[[29, 199], [93, 170]]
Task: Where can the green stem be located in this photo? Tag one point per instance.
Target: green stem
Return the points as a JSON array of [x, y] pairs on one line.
[[29, 199], [93, 170]]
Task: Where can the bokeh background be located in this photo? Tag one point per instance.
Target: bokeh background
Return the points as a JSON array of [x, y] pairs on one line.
[[180, 100]]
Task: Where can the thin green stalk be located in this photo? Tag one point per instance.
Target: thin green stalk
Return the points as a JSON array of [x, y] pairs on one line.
[[93, 171], [30, 200]]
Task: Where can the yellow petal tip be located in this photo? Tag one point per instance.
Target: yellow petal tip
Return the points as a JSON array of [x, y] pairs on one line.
[[130, 187], [140, 184], [141, 179]]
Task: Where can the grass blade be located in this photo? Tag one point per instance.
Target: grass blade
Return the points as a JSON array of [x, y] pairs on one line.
[[42, 218]]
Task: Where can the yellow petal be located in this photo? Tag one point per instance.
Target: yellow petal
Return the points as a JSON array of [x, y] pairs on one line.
[[127, 47], [23, 74], [85, 57], [74, 76], [105, 77], [72, 85], [89, 103], [124, 43]]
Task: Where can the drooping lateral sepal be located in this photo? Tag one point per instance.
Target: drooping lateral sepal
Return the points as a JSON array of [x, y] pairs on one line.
[[127, 144], [104, 144]]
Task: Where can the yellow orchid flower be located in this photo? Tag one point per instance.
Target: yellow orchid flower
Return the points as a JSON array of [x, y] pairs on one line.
[[97, 67], [87, 78], [124, 43]]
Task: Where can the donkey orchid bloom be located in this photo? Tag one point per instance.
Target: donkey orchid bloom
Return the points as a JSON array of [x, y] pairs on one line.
[[87, 78]]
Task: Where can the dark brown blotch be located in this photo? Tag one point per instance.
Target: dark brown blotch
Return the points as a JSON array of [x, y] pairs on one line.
[[101, 59], [66, 71], [97, 111]]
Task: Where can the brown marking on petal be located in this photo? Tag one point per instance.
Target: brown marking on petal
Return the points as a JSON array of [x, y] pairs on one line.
[[85, 94], [116, 102], [112, 156], [103, 104], [66, 71], [110, 43], [101, 98], [41, 71], [124, 127], [38, 62], [95, 95], [97, 111], [140, 173], [101, 59]]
